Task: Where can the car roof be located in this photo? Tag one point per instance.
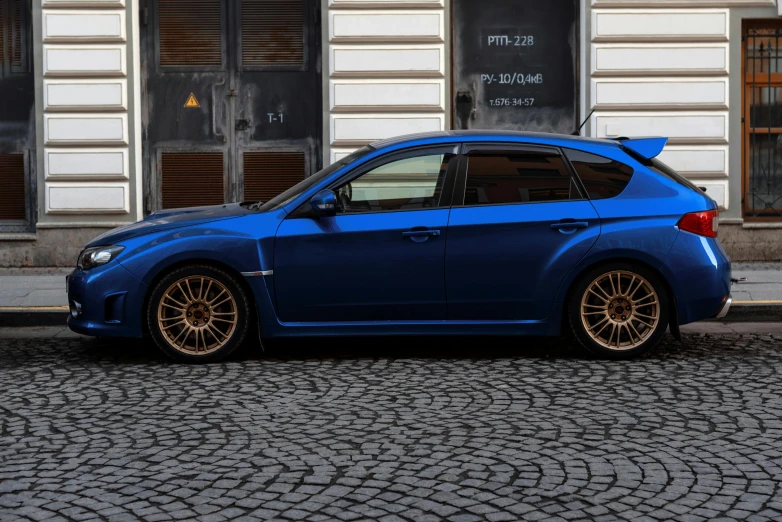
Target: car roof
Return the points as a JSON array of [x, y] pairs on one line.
[[452, 135]]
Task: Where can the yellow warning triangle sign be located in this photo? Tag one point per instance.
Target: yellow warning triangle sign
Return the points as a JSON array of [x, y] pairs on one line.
[[191, 101]]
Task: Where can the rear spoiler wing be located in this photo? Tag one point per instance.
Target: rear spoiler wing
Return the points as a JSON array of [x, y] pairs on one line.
[[647, 148]]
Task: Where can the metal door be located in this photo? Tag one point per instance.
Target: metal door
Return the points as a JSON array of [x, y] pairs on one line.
[[17, 142], [515, 65], [232, 96]]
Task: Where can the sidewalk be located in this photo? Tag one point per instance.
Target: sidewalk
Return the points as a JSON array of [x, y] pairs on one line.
[[37, 297], [33, 287], [764, 282]]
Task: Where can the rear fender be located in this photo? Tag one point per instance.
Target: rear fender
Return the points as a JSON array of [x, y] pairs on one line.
[[650, 245]]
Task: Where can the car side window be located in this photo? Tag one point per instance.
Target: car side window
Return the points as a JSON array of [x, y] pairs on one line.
[[602, 178], [411, 183], [495, 177]]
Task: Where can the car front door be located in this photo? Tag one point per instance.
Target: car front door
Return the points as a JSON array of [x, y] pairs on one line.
[[519, 224], [381, 257]]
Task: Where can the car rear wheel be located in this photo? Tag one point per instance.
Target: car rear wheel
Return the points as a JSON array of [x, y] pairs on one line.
[[198, 313], [619, 311]]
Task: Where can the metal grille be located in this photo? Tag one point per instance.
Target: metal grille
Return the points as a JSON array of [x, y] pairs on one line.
[[762, 117], [16, 33], [12, 196], [191, 179], [2, 33], [272, 33], [267, 174], [190, 32]]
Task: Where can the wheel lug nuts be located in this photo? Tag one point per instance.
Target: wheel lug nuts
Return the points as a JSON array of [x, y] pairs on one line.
[[189, 314], [613, 316], [610, 306], [623, 318]]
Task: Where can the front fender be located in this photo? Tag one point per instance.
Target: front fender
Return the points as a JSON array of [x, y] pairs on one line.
[[147, 261]]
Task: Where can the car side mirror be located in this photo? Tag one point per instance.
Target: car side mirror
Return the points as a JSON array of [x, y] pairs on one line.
[[324, 203]]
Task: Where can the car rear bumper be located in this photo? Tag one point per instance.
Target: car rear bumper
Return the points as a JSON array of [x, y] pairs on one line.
[[724, 310], [698, 271]]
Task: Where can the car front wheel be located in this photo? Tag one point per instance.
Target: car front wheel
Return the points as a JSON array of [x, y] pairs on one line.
[[198, 313], [619, 311]]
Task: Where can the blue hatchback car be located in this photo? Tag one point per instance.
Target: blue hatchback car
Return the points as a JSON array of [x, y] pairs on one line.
[[450, 233]]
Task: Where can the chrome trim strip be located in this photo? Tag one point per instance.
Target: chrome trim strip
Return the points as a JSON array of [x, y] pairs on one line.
[[259, 273], [725, 308]]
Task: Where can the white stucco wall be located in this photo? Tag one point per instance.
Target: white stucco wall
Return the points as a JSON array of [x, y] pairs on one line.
[[662, 67], [86, 131], [387, 67]]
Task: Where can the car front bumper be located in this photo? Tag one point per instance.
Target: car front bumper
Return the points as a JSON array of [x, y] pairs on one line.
[[105, 301]]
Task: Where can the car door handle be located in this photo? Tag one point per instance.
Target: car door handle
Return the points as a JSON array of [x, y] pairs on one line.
[[569, 225], [420, 233]]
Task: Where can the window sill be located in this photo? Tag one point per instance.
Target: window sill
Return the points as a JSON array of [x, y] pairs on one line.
[[9, 236]]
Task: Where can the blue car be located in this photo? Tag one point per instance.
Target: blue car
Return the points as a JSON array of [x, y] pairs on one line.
[[449, 233]]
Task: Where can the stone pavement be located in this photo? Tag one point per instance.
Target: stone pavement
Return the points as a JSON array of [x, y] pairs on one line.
[[38, 287], [425, 430]]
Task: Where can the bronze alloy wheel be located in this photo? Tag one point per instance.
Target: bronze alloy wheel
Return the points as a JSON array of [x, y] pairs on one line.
[[620, 310], [197, 315]]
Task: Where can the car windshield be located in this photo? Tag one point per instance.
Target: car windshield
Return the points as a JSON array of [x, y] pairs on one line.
[[293, 192]]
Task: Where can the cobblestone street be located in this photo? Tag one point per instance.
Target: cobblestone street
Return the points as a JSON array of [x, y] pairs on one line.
[[392, 430]]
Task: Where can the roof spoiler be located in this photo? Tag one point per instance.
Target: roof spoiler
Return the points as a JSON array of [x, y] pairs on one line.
[[647, 148]]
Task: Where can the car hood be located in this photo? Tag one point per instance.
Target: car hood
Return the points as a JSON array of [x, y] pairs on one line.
[[168, 219]]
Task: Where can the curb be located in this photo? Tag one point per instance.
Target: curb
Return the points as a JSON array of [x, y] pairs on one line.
[[754, 311], [16, 316]]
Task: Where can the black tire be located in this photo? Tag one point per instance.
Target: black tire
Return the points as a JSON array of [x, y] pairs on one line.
[[229, 324], [636, 336]]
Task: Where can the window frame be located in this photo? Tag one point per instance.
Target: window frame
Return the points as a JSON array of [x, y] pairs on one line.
[[446, 200], [460, 190], [26, 150], [749, 80]]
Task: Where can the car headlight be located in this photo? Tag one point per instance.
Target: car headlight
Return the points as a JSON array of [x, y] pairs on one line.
[[97, 256]]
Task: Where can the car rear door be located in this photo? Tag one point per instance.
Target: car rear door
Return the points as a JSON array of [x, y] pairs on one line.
[[518, 225], [381, 258]]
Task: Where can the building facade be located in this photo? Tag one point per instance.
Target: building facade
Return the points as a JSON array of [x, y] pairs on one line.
[[113, 109]]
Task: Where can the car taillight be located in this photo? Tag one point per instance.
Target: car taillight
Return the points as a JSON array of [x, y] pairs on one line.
[[701, 223]]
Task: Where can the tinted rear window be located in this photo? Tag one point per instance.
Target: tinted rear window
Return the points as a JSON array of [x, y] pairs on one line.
[[655, 165], [661, 168], [602, 177]]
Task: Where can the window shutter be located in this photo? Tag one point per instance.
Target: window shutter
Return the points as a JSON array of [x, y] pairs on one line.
[[16, 40], [267, 174], [190, 32], [273, 33], [2, 33], [12, 196], [191, 179]]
